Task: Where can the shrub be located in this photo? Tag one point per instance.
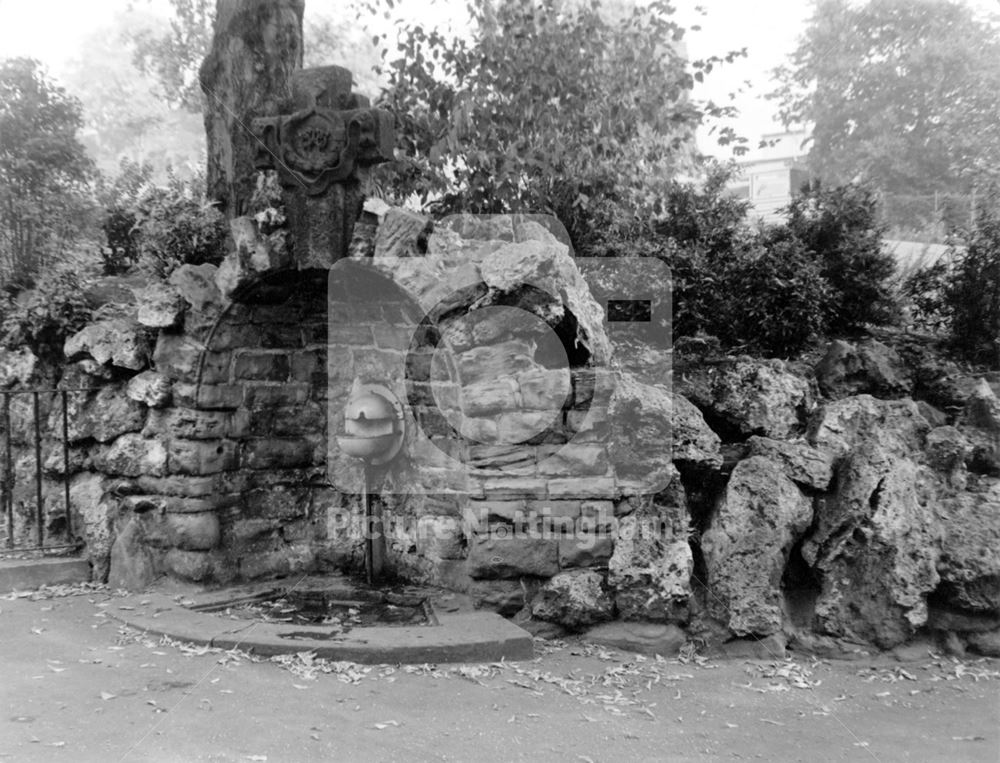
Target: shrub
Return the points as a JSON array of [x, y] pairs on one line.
[[119, 197], [176, 225], [841, 227], [961, 292], [775, 296], [43, 318]]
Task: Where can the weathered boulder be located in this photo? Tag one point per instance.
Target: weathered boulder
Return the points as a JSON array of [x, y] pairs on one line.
[[196, 286], [986, 644], [160, 306], [639, 445], [132, 455], [120, 341], [869, 367], [695, 445], [101, 415], [748, 396], [150, 388], [16, 367], [969, 565], [94, 515], [574, 599], [841, 425], [401, 233], [254, 255], [132, 566], [982, 409], [664, 639], [801, 463], [876, 545], [747, 545], [650, 569], [947, 449]]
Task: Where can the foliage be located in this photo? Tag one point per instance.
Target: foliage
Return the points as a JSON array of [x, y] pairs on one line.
[[341, 41], [176, 225], [123, 115], [43, 318], [120, 197], [902, 92], [841, 227], [962, 291], [548, 108], [44, 172], [776, 298], [174, 58]]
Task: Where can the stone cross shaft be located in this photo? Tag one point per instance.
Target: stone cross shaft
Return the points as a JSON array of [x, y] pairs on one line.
[[320, 153]]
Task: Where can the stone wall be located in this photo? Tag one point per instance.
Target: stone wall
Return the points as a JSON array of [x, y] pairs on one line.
[[547, 470]]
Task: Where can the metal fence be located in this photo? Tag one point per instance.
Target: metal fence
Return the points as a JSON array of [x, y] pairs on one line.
[[33, 447]]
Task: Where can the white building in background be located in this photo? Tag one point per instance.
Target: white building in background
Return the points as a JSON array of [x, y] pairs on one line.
[[772, 175]]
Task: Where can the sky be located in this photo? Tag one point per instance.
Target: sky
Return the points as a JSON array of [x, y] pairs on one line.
[[51, 30]]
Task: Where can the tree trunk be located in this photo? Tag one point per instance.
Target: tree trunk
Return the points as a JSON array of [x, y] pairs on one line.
[[256, 46]]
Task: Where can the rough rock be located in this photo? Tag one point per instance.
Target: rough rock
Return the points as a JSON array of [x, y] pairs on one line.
[[970, 550], [574, 599], [16, 367], [869, 367], [664, 639], [150, 388], [895, 425], [132, 455], [503, 268], [695, 445], [876, 545], [748, 396], [132, 566], [639, 445], [160, 306], [746, 548], [650, 569], [196, 285], [800, 462], [120, 341], [402, 233], [254, 254], [505, 597], [102, 415], [94, 515], [986, 644], [982, 409], [947, 449]]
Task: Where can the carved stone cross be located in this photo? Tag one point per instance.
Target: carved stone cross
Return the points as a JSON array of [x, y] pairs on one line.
[[320, 153]]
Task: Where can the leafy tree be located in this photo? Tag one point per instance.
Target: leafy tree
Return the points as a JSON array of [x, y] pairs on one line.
[[341, 41], [961, 292], [44, 171], [173, 58], [901, 92], [123, 117], [548, 107], [841, 227]]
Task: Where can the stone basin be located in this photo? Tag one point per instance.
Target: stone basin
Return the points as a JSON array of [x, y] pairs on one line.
[[452, 633]]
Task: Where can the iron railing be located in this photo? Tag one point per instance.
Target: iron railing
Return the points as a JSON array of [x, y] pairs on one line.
[[8, 472]]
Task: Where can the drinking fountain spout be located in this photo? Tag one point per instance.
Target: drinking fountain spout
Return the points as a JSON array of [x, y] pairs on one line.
[[373, 432]]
